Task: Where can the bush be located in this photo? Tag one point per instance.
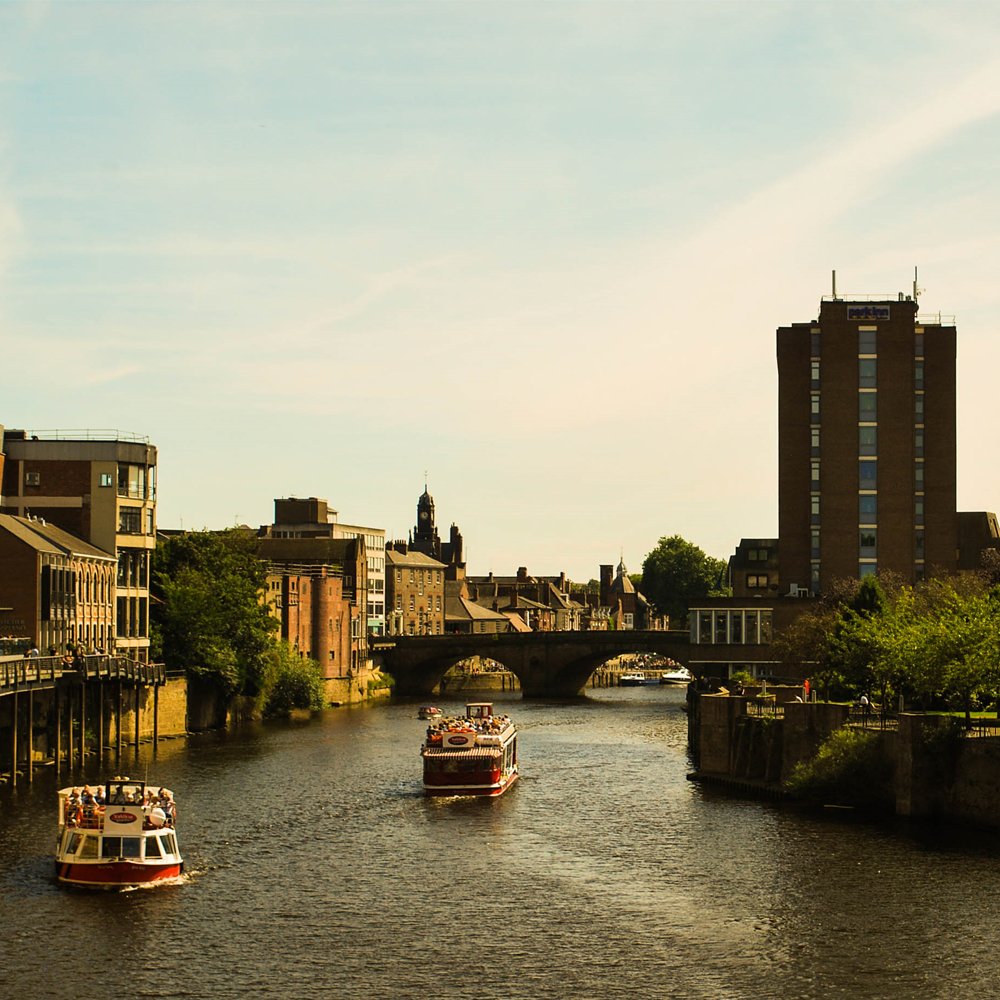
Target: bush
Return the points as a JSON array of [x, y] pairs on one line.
[[290, 681], [849, 769]]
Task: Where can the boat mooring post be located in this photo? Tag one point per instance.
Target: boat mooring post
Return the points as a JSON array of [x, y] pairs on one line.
[[156, 715]]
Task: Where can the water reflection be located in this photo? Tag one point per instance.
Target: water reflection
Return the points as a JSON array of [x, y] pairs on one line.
[[322, 871]]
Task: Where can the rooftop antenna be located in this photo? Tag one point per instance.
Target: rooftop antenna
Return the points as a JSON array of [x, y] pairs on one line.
[[834, 273], [916, 289]]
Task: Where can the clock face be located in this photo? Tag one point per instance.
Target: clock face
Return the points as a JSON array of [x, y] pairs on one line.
[[423, 515]]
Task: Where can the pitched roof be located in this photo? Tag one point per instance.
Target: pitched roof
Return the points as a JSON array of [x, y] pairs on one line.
[[461, 609], [45, 537], [412, 559]]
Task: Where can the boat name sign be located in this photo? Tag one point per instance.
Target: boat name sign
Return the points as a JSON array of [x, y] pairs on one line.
[[123, 817]]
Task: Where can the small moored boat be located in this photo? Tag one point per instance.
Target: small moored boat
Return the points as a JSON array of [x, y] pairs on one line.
[[472, 755], [632, 680], [120, 835], [679, 675], [428, 712]]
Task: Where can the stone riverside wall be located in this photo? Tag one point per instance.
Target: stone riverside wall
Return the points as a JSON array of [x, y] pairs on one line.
[[171, 710], [955, 778]]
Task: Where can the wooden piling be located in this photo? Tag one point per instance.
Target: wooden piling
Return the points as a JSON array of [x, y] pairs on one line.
[[83, 723], [138, 688], [31, 735], [100, 723], [118, 723], [13, 740], [57, 713], [156, 715]]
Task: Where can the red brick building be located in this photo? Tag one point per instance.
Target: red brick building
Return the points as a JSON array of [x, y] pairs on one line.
[[318, 590]]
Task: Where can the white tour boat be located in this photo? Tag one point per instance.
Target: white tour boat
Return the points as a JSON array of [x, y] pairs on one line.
[[117, 835], [472, 755]]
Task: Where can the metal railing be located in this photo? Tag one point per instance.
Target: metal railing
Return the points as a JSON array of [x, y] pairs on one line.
[[37, 671], [86, 434]]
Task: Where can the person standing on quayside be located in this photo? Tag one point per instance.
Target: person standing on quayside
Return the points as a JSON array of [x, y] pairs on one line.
[[865, 707]]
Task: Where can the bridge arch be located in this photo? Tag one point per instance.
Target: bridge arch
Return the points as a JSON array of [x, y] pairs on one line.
[[547, 664]]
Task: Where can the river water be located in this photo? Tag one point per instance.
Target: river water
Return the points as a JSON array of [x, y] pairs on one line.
[[318, 869]]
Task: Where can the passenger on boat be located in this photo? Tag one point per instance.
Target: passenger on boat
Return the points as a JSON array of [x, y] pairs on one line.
[[99, 795], [74, 808]]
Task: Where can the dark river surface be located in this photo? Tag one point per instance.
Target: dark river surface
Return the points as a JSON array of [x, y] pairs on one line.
[[318, 869]]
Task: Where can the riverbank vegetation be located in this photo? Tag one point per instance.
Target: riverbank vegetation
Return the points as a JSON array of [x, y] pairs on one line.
[[209, 618], [850, 769], [934, 646]]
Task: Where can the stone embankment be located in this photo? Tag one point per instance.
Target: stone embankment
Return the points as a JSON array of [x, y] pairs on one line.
[[751, 746]]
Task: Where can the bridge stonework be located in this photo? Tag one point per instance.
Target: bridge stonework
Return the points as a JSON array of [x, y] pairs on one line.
[[547, 664]]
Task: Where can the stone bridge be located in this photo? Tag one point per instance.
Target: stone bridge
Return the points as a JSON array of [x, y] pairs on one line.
[[548, 664]]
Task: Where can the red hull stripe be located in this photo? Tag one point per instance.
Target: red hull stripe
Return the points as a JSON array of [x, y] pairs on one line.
[[116, 873]]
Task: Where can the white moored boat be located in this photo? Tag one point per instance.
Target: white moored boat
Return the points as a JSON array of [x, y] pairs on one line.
[[679, 675], [117, 836], [472, 755]]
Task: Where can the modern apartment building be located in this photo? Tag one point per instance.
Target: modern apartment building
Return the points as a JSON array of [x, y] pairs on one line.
[[99, 486], [866, 444]]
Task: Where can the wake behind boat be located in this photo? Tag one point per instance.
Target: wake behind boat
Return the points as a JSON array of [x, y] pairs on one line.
[[117, 836], [475, 754]]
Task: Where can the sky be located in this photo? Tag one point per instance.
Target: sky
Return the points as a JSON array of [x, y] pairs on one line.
[[530, 254]]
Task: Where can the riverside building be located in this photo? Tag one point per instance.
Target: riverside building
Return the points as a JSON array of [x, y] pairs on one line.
[[99, 486], [866, 444]]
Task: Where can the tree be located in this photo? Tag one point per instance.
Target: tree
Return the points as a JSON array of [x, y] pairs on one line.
[[677, 574], [208, 616]]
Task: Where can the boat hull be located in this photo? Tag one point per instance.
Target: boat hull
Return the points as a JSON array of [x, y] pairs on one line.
[[116, 874], [492, 790]]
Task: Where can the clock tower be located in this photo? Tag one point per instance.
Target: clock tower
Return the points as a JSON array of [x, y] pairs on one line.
[[425, 536]]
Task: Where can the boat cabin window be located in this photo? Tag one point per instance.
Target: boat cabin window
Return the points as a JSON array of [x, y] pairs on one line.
[[169, 844], [153, 847], [89, 849], [479, 710], [121, 847], [74, 843]]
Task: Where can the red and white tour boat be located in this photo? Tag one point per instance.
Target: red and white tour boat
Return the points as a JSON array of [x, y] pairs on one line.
[[472, 755], [119, 835]]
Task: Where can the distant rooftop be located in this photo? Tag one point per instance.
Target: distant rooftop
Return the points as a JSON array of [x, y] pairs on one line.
[[87, 434]]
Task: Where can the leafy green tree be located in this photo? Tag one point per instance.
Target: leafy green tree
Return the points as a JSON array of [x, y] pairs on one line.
[[677, 574], [290, 681], [208, 616]]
